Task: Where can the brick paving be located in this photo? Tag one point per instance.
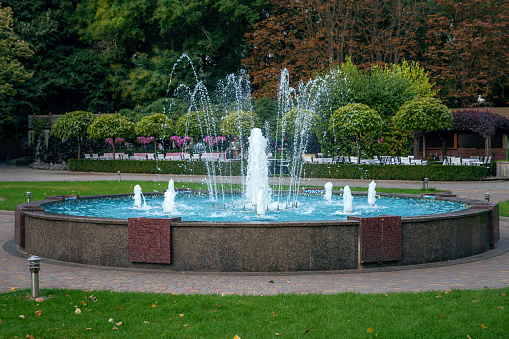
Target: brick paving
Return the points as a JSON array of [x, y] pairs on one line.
[[490, 269]]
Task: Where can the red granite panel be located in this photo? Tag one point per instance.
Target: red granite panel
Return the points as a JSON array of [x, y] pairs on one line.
[[380, 239], [149, 240]]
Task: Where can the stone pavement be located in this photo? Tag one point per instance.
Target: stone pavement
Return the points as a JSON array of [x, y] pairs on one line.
[[490, 269]]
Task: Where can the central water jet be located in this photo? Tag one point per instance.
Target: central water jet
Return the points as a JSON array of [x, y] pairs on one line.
[[258, 191]]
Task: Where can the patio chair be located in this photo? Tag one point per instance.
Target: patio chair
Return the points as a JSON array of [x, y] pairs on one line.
[[87, 156]]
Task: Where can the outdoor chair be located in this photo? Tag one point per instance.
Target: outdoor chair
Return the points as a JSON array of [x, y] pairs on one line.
[[95, 156], [87, 156]]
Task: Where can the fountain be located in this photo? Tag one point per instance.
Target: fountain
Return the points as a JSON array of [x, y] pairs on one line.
[[169, 199], [258, 191], [347, 200], [328, 192], [255, 234], [372, 194], [138, 196]]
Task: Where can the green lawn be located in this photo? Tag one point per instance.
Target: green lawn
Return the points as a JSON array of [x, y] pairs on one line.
[[457, 313], [14, 193]]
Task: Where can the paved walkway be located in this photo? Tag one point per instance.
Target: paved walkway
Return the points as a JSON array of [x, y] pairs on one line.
[[490, 269]]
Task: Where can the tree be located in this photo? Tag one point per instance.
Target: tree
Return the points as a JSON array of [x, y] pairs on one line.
[[111, 126], [482, 122], [196, 124], [157, 125], [73, 125], [422, 114], [464, 46], [355, 119], [239, 123], [12, 71]]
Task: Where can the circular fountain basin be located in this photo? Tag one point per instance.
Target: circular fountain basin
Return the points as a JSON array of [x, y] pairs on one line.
[[150, 239], [233, 208]]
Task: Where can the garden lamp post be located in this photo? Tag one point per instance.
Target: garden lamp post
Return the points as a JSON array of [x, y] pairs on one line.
[[34, 264], [29, 195], [487, 197], [425, 184], [118, 175]]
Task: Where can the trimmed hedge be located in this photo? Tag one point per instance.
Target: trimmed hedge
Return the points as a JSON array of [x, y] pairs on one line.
[[396, 172], [150, 166], [333, 171]]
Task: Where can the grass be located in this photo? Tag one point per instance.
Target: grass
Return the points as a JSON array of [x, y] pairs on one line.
[[457, 313], [14, 193]]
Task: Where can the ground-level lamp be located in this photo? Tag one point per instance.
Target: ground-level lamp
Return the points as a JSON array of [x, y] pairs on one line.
[[34, 264], [29, 195], [118, 175], [487, 197], [425, 184]]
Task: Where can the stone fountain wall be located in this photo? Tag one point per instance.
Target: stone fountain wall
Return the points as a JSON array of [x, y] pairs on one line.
[[257, 246]]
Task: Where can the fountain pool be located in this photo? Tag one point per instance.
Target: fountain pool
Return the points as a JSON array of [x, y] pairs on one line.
[[197, 207]]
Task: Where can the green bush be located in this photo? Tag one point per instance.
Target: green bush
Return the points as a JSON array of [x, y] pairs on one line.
[[156, 167], [395, 172], [333, 171]]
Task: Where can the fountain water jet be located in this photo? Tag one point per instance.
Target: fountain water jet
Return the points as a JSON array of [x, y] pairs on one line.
[[169, 199], [258, 191], [372, 194], [138, 196], [347, 200], [328, 192]]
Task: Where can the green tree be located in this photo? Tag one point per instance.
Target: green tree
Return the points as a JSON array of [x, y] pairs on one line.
[[355, 120], [239, 123], [111, 126], [12, 51], [421, 115], [73, 125], [196, 124], [157, 125]]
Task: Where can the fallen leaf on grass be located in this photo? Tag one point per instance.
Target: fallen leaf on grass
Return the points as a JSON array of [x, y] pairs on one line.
[[118, 324], [120, 309], [88, 328], [181, 315], [115, 328], [111, 320], [442, 316], [153, 305], [236, 337], [277, 333], [0, 321], [84, 303], [309, 329], [77, 311], [483, 326], [469, 337], [39, 300], [475, 301], [274, 314], [146, 322], [503, 294], [29, 336], [22, 316], [501, 307], [370, 330], [14, 289], [38, 313]]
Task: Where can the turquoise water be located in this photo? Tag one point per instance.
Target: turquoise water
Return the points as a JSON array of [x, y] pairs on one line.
[[232, 208]]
